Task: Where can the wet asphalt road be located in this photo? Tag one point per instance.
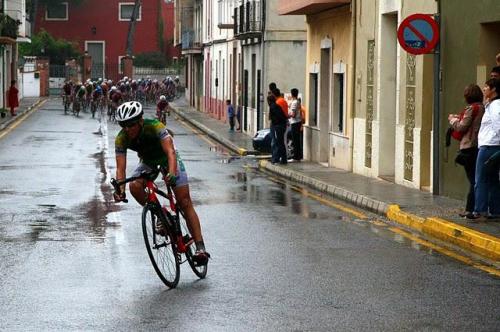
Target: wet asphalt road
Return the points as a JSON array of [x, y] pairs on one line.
[[72, 260]]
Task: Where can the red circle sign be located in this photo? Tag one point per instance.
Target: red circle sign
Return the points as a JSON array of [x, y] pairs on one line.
[[418, 34]]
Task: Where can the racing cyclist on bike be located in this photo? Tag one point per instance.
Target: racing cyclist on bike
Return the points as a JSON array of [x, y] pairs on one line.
[[155, 147], [162, 108]]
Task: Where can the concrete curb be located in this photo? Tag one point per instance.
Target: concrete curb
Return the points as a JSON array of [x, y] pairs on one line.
[[22, 116], [222, 140], [482, 244]]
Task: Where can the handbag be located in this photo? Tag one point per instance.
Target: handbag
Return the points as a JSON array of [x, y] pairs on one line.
[[461, 158], [465, 155]]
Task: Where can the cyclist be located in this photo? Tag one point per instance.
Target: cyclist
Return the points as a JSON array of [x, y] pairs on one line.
[[155, 147], [162, 108], [66, 93]]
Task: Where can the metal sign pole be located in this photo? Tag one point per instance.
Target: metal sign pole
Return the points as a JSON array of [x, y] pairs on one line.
[[436, 116]]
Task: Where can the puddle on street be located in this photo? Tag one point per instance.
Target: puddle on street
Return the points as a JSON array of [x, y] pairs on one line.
[[257, 191]]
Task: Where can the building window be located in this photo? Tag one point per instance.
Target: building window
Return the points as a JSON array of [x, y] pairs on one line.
[[313, 98], [338, 102], [57, 12], [125, 11]]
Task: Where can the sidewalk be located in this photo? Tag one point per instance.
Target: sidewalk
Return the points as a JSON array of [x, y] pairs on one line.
[[25, 106], [433, 215]]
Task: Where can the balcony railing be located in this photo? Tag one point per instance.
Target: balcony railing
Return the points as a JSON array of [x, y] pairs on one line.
[[247, 20], [9, 27], [190, 40]]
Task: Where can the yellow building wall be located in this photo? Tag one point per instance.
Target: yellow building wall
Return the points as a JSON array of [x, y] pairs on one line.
[[334, 24]]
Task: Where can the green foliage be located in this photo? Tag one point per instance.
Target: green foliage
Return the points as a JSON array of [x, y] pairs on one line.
[[44, 44], [150, 59]]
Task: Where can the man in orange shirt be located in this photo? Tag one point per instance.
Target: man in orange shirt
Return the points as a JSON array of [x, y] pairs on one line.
[[280, 101]]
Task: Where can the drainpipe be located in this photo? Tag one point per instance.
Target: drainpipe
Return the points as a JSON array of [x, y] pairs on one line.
[[262, 63], [436, 110], [353, 81]]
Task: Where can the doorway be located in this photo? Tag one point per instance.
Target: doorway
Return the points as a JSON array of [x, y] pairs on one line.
[[324, 105], [96, 51], [387, 106]]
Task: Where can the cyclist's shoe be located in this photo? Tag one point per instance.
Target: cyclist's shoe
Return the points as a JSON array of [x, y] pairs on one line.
[[160, 228], [201, 257]]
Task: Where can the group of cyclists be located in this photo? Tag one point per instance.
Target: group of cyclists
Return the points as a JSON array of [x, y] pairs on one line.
[[107, 95]]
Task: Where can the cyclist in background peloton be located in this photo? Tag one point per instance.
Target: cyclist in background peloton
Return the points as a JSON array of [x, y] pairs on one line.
[[162, 108], [155, 147]]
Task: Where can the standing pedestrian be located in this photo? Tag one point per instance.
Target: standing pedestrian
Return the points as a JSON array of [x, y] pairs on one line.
[[487, 189], [466, 126], [495, 72], [272, 87], [13, 98], [295, 119], [230, 114], [278, 128]]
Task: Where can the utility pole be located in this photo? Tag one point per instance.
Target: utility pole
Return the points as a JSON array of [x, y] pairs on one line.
[[131, 27]]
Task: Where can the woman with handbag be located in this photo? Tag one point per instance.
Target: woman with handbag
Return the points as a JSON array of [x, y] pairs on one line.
[[465, 129]]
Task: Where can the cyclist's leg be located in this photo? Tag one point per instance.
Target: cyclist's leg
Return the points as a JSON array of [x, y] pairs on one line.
[[186, 205], [137, 187], [183, 197]]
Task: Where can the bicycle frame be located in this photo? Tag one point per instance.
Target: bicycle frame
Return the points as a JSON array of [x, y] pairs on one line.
[[170, 219]]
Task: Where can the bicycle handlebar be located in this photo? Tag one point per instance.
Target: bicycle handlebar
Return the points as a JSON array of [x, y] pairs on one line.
[[117, 183]]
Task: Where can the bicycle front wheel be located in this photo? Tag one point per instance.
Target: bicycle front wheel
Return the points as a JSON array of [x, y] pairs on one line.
[[161, 249]]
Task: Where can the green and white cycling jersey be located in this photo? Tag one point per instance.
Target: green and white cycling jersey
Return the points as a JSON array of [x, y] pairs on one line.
[[148, 145]]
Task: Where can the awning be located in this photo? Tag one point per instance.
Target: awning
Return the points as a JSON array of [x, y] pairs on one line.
[[23, 40], [308, 7]]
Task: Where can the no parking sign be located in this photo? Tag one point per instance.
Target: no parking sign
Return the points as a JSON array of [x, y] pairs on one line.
[[418, 34]]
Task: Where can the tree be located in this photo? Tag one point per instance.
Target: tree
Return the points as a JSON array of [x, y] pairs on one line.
[[44, 44], [131, 27]]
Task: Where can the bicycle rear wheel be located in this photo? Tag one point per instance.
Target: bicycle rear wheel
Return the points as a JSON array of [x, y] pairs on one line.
[[161, 249], [199, 270]]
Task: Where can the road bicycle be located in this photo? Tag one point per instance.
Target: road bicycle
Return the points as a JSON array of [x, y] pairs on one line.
[[93, 107], [66, 103], [162, 115], [77, 105], [165, 231]]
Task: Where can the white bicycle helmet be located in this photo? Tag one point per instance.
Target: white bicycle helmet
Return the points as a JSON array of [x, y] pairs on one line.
[[129, 111], [162, 98]]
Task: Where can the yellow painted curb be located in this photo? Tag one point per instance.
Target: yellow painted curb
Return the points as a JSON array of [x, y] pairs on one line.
[[483, 244], [480, 243], [410, 220]]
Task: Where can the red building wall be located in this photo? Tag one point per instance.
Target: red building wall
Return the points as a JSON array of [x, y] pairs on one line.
[[103, 15], [168, 15]]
